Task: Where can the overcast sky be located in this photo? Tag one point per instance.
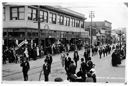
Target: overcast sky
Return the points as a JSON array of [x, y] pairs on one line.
[[113, 11]]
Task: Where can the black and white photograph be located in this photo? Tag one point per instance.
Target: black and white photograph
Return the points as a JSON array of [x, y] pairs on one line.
[[64, 41]]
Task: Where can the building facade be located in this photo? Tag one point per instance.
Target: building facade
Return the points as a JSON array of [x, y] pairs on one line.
[[101, 31], [20, 23]]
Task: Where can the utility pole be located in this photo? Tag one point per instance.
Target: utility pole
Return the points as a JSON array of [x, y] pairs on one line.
[[120, 34], [91, 15], [38, 21]]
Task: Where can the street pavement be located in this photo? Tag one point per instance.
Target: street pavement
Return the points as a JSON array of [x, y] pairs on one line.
[[104, 70]]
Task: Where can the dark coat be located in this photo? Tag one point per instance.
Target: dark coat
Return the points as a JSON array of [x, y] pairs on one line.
[[67, 61], [46, 68], [100, 51], [72, 69], [83, 67], [86, 55], [76, 57], [116, 59], [89, 65], [49, 59], [103, 51], [25, 66]]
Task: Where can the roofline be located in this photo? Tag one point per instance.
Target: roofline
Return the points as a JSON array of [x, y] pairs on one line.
[[98, 21], [62, 10]]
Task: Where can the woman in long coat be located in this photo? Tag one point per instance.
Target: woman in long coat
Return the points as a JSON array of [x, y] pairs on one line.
[[116, 58]]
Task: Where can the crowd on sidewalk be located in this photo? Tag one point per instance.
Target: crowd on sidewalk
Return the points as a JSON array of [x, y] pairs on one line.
[[86, 72], [11, 55]]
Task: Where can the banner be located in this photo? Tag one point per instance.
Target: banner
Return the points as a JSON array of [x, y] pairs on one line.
[[21, 44]]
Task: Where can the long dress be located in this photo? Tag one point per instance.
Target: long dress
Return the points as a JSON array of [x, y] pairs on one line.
[[63, 60]]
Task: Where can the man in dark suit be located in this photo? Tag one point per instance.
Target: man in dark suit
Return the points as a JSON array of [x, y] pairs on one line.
[[83, 69], [72, 71], [103, 51], [100, 52], [76, 57], [86, 55], [49, 60], [66, 62], [25, 67], [46, 69]]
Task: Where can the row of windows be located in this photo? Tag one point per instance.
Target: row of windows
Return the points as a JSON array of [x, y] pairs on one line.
[[18, 13]]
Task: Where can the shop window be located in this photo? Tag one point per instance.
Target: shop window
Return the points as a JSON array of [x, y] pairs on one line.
[[34, 34], [29, 34]]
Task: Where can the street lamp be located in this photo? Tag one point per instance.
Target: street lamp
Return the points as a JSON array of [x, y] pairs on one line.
[[91, 15]]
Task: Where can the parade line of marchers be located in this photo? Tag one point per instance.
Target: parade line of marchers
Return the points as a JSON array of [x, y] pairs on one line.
[[86, 72]]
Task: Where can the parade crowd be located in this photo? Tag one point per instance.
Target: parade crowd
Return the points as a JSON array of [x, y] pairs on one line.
[[11, 55], [86, 73]]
